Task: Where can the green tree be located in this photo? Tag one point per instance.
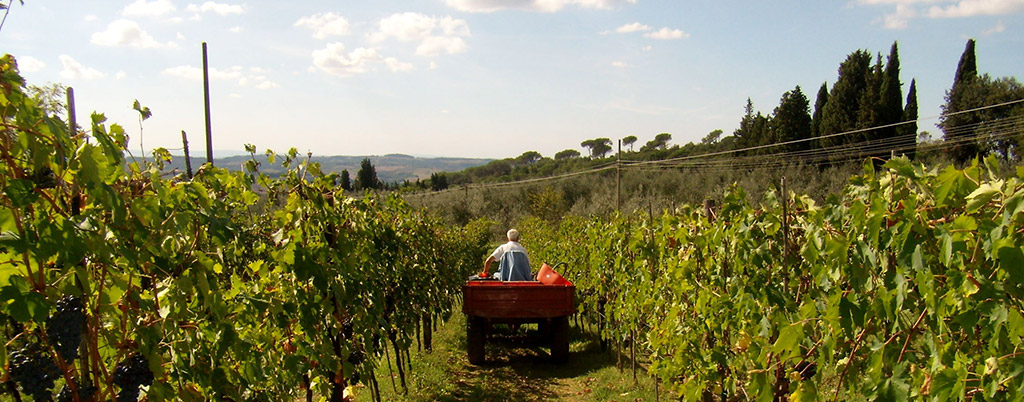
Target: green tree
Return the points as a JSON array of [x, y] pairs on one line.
[[52, 97], [791, 121], [713, 137], [366, 178], [346, 181], [753, 130], [629, 141], [567, 154], [869, 112], [438, 181], [891, 101], [841, 112], [819, 106], [528, 158], [964, 95], [660, 141], [908, 131], [598, 147]]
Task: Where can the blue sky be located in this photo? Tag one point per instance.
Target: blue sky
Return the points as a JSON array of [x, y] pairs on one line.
[[480, 78]]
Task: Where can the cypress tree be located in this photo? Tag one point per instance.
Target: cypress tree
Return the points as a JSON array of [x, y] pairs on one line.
[[967, 68], [891, 102], [819, 106], [908, 131], [840, 113], [958, 127], [791, 120], [869, 105]]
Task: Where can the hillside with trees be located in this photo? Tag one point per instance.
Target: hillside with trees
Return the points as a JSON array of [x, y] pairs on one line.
[[863, 114]]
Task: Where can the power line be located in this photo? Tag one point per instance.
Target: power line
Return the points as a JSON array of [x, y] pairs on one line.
[[994, 130]]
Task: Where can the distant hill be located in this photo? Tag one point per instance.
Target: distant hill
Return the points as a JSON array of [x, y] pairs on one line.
[[391, 168]]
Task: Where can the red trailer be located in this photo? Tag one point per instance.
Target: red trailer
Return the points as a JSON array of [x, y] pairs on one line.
[[548, 302]]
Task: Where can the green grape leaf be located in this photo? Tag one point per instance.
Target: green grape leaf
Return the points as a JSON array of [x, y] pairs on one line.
[[21, 192], [982, 195]]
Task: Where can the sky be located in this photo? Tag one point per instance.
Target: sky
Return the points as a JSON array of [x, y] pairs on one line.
[[479, 78]]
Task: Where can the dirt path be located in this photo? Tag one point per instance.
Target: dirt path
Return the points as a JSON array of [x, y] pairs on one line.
[[517, 369]]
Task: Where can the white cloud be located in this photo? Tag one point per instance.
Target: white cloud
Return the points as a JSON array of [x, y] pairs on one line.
[[181, 36], [90, 17], [901, 18], [126, 33], [620, 64], [325, 25], [236, 29], [216, 8], [142, 8], [333, 59], [73, 70], [899, 2], [971, 8], [255, 77], [433, 66], [435, 45], [29, 64], [647, 48], [186, 72], [634, 27], [544, 6], [120, 75], [398, 66], [906, 10], [666, 34], [436, 35], [999, 27]]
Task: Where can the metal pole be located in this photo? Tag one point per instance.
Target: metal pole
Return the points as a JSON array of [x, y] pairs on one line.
[[206, 96]]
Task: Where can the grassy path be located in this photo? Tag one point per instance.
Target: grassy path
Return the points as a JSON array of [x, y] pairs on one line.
[[517, 369]]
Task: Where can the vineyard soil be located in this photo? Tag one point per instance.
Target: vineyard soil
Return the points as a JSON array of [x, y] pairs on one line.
[[517, 369]]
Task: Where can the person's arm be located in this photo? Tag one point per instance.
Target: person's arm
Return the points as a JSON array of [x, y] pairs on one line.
[[487, 265]]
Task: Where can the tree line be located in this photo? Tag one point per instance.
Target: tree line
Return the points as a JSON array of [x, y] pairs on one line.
[[863, 114]]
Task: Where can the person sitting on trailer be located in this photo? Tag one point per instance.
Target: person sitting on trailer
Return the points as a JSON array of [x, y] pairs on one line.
[[513, 262]]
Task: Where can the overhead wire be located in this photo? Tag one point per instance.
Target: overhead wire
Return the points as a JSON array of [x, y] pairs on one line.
[[994, 130]]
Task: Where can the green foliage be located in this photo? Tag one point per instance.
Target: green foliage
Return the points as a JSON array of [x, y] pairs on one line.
[[791, 121], [840, 113], [819, 106], [598, 147], [976, 133], [366, 178], [628, 141], [660, 141], [906, 286], [229, 286], [567, 154], [346, 181], [908, 131]]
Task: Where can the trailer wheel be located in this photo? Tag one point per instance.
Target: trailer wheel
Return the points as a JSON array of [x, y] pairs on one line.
[[475, 337], [560, 339]]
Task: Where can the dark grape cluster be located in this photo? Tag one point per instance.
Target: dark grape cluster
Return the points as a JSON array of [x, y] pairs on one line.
[[34, 370], [64, 327], [131, 373], [85, 393]]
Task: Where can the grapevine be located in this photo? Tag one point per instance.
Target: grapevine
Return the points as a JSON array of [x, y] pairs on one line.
[[232, 285], [905, 286]]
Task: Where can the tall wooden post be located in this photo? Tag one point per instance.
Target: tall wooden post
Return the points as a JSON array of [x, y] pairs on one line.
[[188, 158], [206, 96], [618, 179], [72, 122]]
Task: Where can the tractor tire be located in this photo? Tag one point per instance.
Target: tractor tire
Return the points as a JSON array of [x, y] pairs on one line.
[[476, 336], [560, 339]]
